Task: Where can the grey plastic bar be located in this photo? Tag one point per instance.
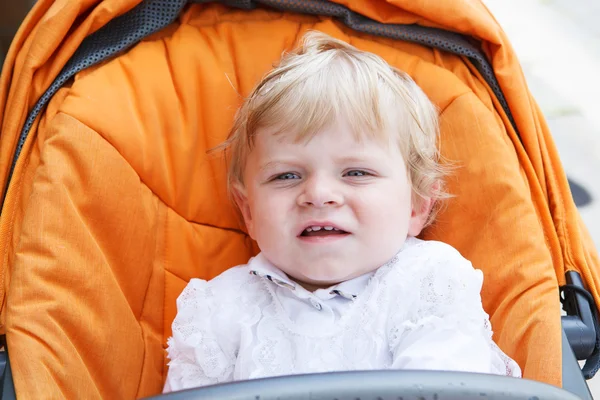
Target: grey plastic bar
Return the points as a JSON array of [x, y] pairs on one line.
[[379, 385], [578, 324], [572, 378]]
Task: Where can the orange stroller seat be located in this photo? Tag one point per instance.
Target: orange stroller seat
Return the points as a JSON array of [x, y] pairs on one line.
[[111, 203]]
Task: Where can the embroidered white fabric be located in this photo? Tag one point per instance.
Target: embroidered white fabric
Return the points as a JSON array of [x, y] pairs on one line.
[[421, 310]]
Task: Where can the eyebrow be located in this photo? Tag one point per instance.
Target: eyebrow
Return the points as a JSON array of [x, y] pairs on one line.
[[353, 158], [271, 164], [357, 159], [341, 160]]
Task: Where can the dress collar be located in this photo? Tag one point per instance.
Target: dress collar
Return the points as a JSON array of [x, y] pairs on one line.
[[350, 289]]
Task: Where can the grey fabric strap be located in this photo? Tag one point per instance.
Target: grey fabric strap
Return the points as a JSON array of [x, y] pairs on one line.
[[431, 37], [118, 35], [150, 16]]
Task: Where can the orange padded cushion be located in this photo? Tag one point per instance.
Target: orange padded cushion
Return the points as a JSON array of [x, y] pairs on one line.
[[126, 206]]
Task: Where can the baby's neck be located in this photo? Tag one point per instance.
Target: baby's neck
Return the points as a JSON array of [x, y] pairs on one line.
[[313, 287]]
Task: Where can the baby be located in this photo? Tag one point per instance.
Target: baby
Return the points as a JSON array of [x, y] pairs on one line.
[[335, 170]]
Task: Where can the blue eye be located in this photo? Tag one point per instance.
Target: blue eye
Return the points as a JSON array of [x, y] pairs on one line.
[[357, 172], [287, 176]]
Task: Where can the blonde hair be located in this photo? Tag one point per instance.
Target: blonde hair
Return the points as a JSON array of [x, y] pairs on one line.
[[326, 79]]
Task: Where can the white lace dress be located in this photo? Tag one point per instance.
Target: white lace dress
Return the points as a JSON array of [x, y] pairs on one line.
[[421, 310]]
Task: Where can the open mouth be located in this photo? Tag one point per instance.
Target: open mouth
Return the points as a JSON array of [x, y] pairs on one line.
[[322, 231]]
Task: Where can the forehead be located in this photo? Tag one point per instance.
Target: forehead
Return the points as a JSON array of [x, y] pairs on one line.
[[336, 143], [337, 135]]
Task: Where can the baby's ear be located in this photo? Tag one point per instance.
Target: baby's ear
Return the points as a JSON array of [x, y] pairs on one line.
[[421, 209], [240, 197], [419, 215]]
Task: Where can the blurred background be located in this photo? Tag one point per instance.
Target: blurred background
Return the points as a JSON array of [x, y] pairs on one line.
[[558, 45], [12, 13]]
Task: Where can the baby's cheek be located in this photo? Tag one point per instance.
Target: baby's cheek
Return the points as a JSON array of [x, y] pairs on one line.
[[382, 203], [385, 215], [270, 211]]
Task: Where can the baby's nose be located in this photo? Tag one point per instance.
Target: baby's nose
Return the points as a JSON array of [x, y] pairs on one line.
[[320, 192]]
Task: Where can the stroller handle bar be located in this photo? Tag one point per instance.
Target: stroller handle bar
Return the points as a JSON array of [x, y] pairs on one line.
[[384, 384]]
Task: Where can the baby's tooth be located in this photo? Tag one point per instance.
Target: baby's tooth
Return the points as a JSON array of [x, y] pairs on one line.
[[309, 230], [328, 228], [316, 228]]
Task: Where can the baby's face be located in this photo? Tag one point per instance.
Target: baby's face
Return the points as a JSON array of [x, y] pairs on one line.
[[328, 210]]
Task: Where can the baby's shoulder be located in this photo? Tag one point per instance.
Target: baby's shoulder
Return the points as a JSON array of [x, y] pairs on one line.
[[432, 260], [235, 285], [429, 250]]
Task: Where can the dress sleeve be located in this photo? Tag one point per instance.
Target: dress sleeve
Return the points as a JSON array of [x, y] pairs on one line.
[[446, 328], [204, 345]]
